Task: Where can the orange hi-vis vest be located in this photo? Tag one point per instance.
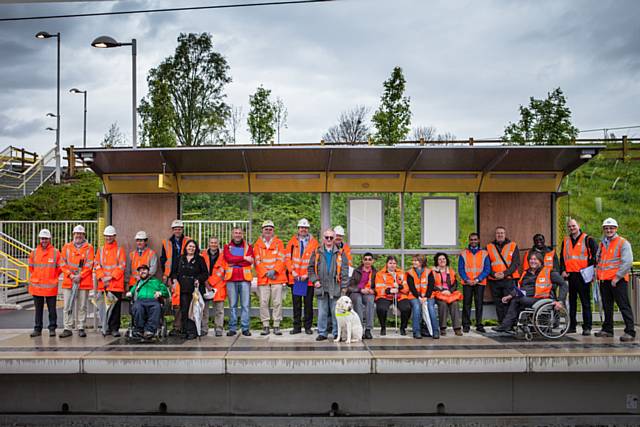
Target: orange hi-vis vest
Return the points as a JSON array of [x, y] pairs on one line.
[[44, 271], [168, 250], [111, 262], [575, 257], [246, 271], [345, 249], [137, 260], [385, 280], [216, 278], [271, 258], [497, 266], [453, 295], [543, 283], [295, 262], [77, 260], [421, 284], [547, 262], [610, 260], [338, 266], [474, 264]]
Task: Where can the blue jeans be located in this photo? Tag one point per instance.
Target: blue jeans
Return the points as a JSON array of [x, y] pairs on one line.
[[146, 315], [433, 315], [241, 290], [326, 308], [416, 316]]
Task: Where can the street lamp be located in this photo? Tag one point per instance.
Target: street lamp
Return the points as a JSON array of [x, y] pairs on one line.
[[45, 35], [84, 131], [106, 42]]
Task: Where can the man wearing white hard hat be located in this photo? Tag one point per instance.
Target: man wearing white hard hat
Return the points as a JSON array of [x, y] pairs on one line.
[[77, 271], [44, 272], [342, 245], [614, 261], [268, 252], [110, 265], [297, 257], [141, 255], [172, 248]]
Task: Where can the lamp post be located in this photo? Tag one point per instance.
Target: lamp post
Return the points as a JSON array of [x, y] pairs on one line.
[[45, 35], [84, 128], [106, 42]]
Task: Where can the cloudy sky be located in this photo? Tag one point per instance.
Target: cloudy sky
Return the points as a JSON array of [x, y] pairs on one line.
[[468, 64]]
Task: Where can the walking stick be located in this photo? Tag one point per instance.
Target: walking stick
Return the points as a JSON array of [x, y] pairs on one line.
[[395, 304]]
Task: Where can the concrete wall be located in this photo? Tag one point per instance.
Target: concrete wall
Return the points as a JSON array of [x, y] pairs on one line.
[[152, 213]]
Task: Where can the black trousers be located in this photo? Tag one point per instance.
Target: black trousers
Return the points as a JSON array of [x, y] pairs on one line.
[[472, 295], [188, 326], [516, 305], [114, 319], [382, 308], [39, 302], [500, 288], [405, 313], [308, 309], [578, 288], [618, 295]]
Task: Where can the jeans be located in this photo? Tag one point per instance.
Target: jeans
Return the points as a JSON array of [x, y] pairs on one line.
[[38, 302], [326, 308], [242, 291], [365, 307], [146, 315], [416, 316], [433, 316]]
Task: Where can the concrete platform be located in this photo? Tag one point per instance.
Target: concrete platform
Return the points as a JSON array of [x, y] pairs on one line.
[[294, 374]]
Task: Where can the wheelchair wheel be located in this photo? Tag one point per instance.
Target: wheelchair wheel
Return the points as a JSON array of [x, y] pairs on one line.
[[528, 336], [549, 322]]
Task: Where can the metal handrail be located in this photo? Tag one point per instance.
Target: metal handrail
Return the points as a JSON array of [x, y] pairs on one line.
[[17, 265], [31, 171], [15, 278], [15, 243]]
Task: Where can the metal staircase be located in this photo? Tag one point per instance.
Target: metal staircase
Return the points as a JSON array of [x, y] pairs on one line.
[[23, 172], [14, 273]]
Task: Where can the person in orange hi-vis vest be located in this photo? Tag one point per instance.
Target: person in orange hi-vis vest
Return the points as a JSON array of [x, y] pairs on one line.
[[474, 267], [109, 265], [505, 260], [297, 258], [442, 280], [141, 255], [216, 267], [45, 264], [77, 270], [268, 251], [388, 283], [172, 249], [342, 245], [614, 261], [548, 253]]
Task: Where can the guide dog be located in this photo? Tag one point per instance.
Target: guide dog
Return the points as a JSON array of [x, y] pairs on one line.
[[348, 321]]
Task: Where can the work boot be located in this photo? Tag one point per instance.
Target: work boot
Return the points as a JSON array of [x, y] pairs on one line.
[[82, 333], [466, 329], [321, 338], [417, 336], [218, 332], [276, 330], [603, 334], [295, 331], [499, 329], [383, 331], [481, 329], [308, 331], [571, 330], [265, 331], [367, 334], [627, 338], [52, 332], [246, 333], [586, 332], [35, 333], [66, 333], [443, 331], [458, 332], [403, 331], [231, 333]]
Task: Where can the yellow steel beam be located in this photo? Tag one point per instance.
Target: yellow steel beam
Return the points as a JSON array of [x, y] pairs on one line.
[[521, 182], [213, 182]]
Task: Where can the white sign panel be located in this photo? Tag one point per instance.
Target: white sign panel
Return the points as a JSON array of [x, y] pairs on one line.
[[440, 222], [366, 223]]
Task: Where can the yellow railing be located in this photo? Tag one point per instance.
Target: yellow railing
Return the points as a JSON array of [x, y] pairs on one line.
[[7, 271], [14, 265]]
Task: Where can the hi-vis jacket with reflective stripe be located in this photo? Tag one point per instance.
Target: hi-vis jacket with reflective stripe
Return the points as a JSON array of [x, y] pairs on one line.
[[299, 264], [610, 259], [474, 263], [111, 262], [168, 255], [420, 284], [216, 275], [385, 280], [575, 257], [497, 265], [543, 285], [271, 258], [550, 260], [76, 260], [148, 257], [346, 250], [44, 271]]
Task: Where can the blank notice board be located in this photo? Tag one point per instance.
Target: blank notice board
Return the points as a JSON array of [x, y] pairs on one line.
[[366, 223], [439, 222]]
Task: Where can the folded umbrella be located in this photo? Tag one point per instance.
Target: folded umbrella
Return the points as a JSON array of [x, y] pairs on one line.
[[74, 289], [426, 317], [109, 303], [196, 308]]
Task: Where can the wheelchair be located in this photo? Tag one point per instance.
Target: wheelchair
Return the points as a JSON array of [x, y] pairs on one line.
[[161, 332], [544, 320]]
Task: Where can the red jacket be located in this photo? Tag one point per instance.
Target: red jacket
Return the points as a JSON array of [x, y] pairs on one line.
[[237, 261]]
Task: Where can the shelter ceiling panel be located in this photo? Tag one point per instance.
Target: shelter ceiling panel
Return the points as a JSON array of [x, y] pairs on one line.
[[133, 184], [368, 181], [288, 182], [442, 182], [522, 182], [213, 182]]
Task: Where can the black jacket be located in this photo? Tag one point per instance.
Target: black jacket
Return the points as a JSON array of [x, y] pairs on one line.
[[357, 276], [188, 272]]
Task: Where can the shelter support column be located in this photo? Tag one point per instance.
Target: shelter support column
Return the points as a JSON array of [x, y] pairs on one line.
[[325, 211]]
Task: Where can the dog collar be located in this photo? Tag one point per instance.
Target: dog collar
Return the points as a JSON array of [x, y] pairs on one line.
[[342, 314]]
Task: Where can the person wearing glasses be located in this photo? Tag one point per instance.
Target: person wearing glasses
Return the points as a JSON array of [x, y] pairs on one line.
[[362, 291]]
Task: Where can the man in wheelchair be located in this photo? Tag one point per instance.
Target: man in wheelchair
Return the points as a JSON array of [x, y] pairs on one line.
[[537, 283], [146, 296]]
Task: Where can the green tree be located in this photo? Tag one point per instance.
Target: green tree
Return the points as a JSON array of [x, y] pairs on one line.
[[262, 117], [393, 117], [186, 100], [543, 122]]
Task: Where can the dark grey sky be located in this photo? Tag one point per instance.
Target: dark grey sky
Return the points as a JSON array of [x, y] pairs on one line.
[[468, 64]]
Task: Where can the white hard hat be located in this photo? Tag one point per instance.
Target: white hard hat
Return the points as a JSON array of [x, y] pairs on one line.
[[610, 222], [141, 235], [177, 223], [109, 230], [304, 222], [338, 230], [44, 233], [268, 223], [78, 229]]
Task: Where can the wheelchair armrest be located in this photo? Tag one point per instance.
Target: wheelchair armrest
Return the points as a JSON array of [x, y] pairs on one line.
[[542, 302]]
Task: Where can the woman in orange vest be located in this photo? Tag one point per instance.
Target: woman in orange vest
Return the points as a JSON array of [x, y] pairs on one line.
[[443, 283], [412, 296], [388, 282], [110, 265], [536, 283], [45, 265], [216, 268]]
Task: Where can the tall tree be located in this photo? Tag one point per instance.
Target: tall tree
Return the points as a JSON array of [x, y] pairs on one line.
[[352, 126], [234, 122], [544, 122], [114, 137], [393, 117], [281, 115], [192, 81], [261, 119], [427, 133]]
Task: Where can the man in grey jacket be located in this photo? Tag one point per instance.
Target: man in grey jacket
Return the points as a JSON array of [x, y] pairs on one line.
[[329, 273]]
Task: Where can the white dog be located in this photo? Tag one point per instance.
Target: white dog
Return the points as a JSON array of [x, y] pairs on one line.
[[348, 321]]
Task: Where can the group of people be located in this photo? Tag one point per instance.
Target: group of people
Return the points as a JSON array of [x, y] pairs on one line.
[[321, 270]]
